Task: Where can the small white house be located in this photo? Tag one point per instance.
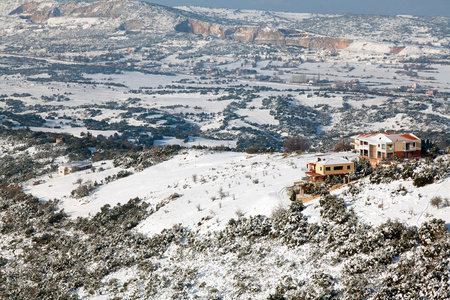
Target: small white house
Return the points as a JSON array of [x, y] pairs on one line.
[[73, 167]]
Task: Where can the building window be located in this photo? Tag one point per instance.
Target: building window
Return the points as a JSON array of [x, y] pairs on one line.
[[348, 167], [327, 168], [414, 144], [320, 168], [379, 154], [338, 168], [383, 146], [408, 146]]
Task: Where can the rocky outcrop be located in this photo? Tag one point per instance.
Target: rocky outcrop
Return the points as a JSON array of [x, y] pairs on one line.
[[199, 27], [263, 35], [131, 25], [101, 9], [41, 12], [26, 8], [34, 13]]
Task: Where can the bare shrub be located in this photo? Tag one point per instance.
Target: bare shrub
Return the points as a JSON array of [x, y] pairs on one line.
[[296, 143], [278, 212], [436, 201], [221, 193]]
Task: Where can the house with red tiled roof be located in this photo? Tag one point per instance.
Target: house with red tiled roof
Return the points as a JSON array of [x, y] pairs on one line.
[[384, 145]]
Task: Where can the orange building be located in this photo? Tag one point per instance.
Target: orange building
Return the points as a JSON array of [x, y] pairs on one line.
[[323, 167]]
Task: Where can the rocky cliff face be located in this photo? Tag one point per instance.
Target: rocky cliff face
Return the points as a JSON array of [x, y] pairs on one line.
[[25, 8], [263, 35], [125, 15], [35, 14]]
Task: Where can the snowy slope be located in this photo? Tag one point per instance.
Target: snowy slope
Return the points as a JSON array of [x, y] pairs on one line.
[[379, 202], [203, 190], [211, 185]]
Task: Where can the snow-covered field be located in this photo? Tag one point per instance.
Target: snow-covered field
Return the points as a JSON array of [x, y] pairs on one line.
[[209, 111], [203, 190], [211, 185]]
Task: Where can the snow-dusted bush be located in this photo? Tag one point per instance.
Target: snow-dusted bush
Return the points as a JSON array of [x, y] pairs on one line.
[[334, 209], [353, 190], [398, 235], [144, 159], [363, 168], [83, 190], [322, 286], [408, 169], [385, 175], [432, 231], [422, 173], [423, 178], [424, 273], [123, 173]]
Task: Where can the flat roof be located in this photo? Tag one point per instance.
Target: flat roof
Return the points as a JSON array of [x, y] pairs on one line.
[[77, 164], [332, 161]]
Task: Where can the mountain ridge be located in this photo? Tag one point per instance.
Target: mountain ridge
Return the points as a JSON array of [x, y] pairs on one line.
[[40, 12], [28, 22]]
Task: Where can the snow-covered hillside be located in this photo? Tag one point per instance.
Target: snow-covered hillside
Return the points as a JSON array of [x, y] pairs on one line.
[[185, 243], [203, 190], [209, 185]]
